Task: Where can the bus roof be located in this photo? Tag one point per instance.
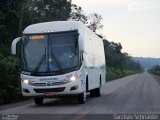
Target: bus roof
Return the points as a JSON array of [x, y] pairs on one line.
[[55, 26]]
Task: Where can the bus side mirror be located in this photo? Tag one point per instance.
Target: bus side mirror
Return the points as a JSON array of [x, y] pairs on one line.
[[17, 67], [15, 48]]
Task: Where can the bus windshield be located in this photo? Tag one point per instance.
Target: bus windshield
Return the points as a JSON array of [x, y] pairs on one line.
[[50, 52]]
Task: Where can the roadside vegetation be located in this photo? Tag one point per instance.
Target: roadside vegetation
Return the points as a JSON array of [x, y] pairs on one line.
[[115, 73], [119, 64], [15, 15], [155, 70]]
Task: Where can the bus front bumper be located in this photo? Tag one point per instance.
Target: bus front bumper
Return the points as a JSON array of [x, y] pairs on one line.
[[71, 88]]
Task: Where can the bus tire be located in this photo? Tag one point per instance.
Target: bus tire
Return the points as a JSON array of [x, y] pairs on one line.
[[38, 100], [92, 93], [82, 98], [97, 92]]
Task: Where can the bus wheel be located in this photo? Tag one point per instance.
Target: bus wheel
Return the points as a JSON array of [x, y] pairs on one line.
[[97, 92], [92, 93], [38, 100], [82, 98]]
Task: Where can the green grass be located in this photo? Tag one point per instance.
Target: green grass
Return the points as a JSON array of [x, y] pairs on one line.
[[115, 73], [156, 72]]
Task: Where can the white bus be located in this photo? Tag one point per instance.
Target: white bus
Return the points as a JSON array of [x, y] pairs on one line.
[[60, 58]]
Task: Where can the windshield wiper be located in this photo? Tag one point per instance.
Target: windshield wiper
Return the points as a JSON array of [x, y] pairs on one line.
[[55, 59], [40, 63]]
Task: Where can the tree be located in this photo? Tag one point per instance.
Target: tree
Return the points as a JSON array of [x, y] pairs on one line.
[[4, 37], [49, 10], [94, 22], [6, 5], [12, 23], [77, 14], [116, 59]]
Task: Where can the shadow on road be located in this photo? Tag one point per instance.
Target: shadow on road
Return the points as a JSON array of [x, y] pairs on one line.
[[72, 101]]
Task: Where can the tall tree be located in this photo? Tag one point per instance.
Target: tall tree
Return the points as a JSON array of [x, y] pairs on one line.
[[77, 14], [35, 11], [116, 59], [6, 5], [12, 23], [94, 22], [50, 10]]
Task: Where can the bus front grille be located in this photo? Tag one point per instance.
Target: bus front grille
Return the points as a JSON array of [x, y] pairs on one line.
[[39, 84], [61, 89], [50, 83]]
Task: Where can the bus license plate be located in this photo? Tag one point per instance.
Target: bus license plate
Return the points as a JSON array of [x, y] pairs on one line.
[[49, 94]]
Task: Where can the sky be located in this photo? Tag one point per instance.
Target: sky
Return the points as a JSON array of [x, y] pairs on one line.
[[133, 23]]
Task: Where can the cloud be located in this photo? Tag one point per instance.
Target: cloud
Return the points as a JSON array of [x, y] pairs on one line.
[[135, 6], [142, 6], [101, 2]]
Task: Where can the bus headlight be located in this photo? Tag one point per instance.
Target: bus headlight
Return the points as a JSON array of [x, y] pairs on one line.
[[26, 81], [73, 78]]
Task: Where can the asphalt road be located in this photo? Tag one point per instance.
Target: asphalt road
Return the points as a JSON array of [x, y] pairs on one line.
[[138, 94]]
